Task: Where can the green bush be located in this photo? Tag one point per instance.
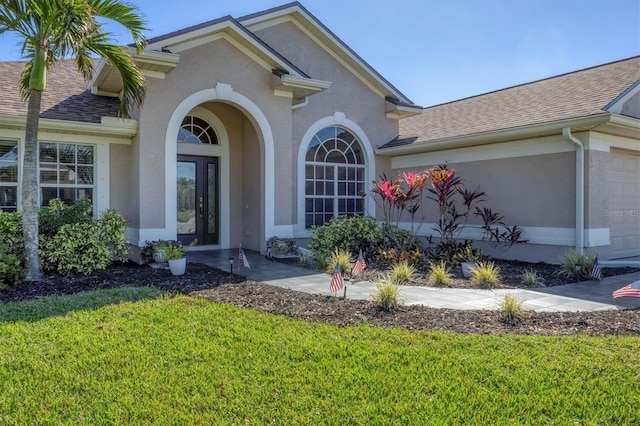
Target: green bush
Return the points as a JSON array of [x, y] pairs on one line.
[[10, 269], [11, 238], [511, 309], [353, 233], [52, 218], [486, 274], [439, 273], [75, 242]]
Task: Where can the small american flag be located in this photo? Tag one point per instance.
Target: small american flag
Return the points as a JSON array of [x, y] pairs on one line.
[[359, 266], [630, 290], [243, 258], [595, 271], [336, 279]]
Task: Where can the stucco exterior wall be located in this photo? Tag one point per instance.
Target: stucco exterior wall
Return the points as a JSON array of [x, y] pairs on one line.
[[347, 94], [199, 68], [632, 106], [596, 186], [533, 191], [252, 227], [120, 180]]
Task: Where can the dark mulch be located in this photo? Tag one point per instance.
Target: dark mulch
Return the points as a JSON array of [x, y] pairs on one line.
[[222, 287]]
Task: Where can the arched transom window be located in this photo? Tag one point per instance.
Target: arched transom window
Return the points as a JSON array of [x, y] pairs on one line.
[[334, 176], [195, 130]]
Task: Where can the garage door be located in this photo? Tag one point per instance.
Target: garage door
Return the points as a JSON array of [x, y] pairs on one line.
[[624, 203]]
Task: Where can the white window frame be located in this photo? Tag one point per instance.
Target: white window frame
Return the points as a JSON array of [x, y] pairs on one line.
[[337, 119]]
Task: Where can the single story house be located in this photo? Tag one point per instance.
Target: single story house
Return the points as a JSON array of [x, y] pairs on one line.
[[268, 124]]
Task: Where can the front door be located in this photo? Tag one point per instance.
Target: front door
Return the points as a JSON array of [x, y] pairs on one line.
[[197, 203]]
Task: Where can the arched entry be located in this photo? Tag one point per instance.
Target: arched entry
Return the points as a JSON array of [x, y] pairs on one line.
[[223, 93]]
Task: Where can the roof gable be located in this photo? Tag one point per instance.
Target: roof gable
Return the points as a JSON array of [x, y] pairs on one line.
[[317, 31], [580, 94]]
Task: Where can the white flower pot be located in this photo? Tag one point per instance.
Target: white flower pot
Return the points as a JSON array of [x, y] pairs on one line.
[[178, 266]]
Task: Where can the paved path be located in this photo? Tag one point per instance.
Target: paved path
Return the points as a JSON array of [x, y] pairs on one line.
[[584, 296]]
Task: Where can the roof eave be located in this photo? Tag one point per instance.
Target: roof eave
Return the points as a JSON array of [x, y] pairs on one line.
[[523, 132], [112, 127]]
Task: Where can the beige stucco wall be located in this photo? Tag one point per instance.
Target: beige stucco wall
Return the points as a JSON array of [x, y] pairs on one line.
[[199, 68], [120, 180], [596, 186], [536, 191], [632, 106], [347, 94]]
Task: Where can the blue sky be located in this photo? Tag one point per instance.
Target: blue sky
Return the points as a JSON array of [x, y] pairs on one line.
[[439, 51]]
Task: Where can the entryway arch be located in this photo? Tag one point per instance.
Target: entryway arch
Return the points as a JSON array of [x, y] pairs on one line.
[[222, 93]]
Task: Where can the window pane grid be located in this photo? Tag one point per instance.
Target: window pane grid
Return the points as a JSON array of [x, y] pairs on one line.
[[8, 175], [334, 176], [66, 171]]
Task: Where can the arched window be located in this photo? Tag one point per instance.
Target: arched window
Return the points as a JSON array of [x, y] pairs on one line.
[[334, 176], [197, 131]]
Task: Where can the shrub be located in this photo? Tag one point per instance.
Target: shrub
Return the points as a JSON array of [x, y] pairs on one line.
[[392, 255], [340, 257], [52, 218], [86, 246], [353, 233], [486, 274], [401, 273], [387, 295], [439, 273], [11, 238], [511, 309], [576, 265], [10, 269], [531, 278]]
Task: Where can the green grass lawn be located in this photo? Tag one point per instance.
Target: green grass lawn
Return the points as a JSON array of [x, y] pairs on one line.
[[135, 356]]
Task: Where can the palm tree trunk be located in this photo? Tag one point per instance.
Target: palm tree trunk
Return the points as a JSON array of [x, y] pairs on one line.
[[30, 189]]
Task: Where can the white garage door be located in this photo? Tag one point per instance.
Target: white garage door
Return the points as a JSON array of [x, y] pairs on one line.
[[624, 204]]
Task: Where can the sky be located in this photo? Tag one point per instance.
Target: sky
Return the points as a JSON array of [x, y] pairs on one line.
[[439, 51]]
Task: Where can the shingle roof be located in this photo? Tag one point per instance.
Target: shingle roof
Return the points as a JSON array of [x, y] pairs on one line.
[[65, 98], [578, 94]]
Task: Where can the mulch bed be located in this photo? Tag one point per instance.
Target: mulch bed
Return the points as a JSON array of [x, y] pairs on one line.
[[222, 287]]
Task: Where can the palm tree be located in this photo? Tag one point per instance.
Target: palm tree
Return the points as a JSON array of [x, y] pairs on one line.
[[50, 31]]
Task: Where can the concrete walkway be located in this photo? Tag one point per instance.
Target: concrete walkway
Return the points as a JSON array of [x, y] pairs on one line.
[[584, 296]]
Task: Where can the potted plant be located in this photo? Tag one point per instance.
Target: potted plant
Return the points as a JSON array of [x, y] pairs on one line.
[[176, 254], [160, 249]]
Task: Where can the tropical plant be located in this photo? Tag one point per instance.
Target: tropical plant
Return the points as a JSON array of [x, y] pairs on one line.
[[439, 273], [576, 265], [486, 274], [50, 31], [531, 278]]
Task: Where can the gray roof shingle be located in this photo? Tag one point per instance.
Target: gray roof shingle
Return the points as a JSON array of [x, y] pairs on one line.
[[578, 94], [65, 98]]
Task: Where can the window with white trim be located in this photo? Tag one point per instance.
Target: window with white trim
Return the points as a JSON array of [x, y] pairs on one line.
[[195, 130], [334, 176], [8, 175], [66, 171]]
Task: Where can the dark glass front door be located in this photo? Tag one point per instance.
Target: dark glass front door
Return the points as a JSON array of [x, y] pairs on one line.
[[197, 203]]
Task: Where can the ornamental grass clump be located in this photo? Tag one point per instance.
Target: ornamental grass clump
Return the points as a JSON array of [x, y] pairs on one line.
[[530, 277], [387, 297], [485, 275], [439, 273], [401, 272], [575, 265], [340, 257], [511, 309]]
